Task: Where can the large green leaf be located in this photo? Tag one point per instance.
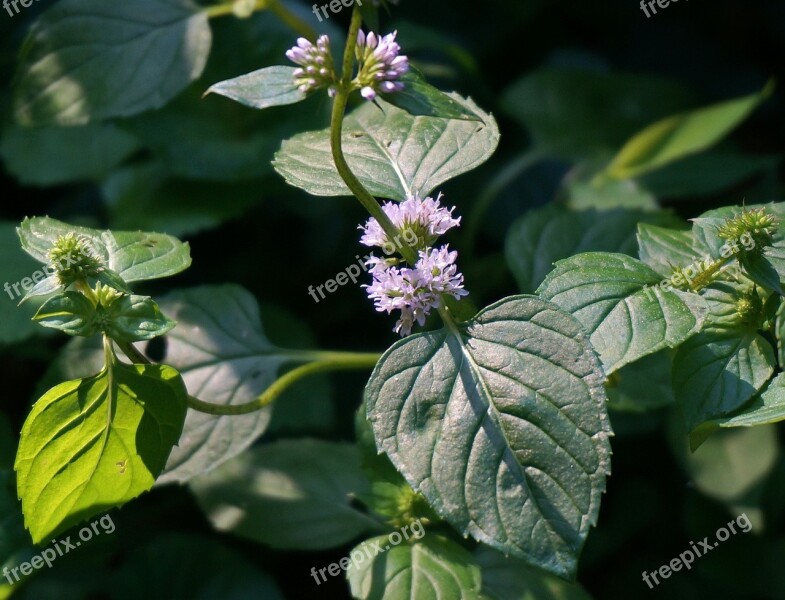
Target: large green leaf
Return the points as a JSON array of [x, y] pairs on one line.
[[505, 578], [543, 236], [95, 443], [621, 304], [225, 358], [501, 424], [271, 86], [718, 370], [45, 155], [133, 255], [429, 569], [393, 153], [576, 114], [89, 60], [293, 494], [681, 135]]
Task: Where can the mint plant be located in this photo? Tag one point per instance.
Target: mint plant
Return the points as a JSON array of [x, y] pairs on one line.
[[486, 423]]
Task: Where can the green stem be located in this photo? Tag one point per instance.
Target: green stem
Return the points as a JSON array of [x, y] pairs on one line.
[[318, 361], [344, 88], [505, 177], [360, 361]]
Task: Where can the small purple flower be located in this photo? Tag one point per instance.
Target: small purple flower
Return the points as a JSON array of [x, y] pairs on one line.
[[381, 64], [415, 291], [421, 223], [316, 65]]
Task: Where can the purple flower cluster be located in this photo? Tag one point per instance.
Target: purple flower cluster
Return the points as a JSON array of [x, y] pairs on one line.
[[418, 289], [316, 65], [381, 64]]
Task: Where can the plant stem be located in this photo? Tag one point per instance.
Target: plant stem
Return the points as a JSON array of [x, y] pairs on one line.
[[318, 361], [336, 132], [360, 361]]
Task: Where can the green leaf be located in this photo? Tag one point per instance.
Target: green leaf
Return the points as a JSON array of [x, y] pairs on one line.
[[132, 255], [17, 270], [45, 156], [766, 408], [177, 565], [543, 236], [271, 86], [136, 318], [663, 249], [621, 304], [608, 194], [574, 114], [292, 494], [129, 419], [718, 370], [393, 153], [421, 99], [225, 358], [505, 578], [432, 567], [90, 60], [71, 313], [681, 135], [501, 424], [15, 545]]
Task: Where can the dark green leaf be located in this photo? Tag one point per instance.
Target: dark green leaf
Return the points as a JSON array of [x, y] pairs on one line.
[[622, 305], [432, 567], [664, 249], [393, 153], [271, 86], [45, 155], [89, 60], [131, 255], [225, 358], [293, 494], [543, 236], [136, 318], [505, 578], [71, 313], [718, 370], [501, 424], [421, 99]]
